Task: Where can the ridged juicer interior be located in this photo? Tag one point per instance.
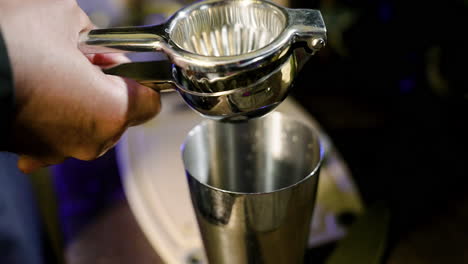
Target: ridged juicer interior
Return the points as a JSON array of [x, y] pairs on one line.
[[230, 29]]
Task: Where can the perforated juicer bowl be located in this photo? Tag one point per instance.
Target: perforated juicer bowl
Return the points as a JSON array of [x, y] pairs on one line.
[[231, 59]]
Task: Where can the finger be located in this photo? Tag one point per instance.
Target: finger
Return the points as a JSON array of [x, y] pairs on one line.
[[84, 21], [90, 57], [108, 60], [105, 60], [143, 102], [27, 164]]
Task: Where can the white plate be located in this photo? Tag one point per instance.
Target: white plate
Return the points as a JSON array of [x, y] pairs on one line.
[[155, 184]]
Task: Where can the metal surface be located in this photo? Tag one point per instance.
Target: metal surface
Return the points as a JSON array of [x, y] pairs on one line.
[[253, 187], [156, 186], [253, 100], [224, 53]]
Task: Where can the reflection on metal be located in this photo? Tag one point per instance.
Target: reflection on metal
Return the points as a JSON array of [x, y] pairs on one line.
[[253, 187], [231, 59]]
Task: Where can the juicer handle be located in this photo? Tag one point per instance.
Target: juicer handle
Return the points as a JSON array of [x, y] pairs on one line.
[[307, 25], [156, 75], [124, 39]]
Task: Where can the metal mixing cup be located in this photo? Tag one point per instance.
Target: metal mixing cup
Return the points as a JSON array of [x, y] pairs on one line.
[[253, 187]]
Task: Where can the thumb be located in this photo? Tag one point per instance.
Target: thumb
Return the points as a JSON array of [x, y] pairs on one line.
[[143, 102]]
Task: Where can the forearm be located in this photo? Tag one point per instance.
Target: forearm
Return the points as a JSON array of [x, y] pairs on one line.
[[6, 96]]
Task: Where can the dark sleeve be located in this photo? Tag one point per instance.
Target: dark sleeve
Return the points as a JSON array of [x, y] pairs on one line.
[[6, 95]]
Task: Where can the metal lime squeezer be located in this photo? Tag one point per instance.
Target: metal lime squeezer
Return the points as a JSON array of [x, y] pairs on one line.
[[229, 59]]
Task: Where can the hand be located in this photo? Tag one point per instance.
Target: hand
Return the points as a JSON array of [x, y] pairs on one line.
[[65, 105]]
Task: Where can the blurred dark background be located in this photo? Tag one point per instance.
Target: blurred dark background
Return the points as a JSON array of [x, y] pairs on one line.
[[391, 91]]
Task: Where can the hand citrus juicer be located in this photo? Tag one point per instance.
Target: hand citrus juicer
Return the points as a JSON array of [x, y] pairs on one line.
[[229, 59]]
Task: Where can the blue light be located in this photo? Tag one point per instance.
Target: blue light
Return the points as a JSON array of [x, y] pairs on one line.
[[407, 85], [385, 12]]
